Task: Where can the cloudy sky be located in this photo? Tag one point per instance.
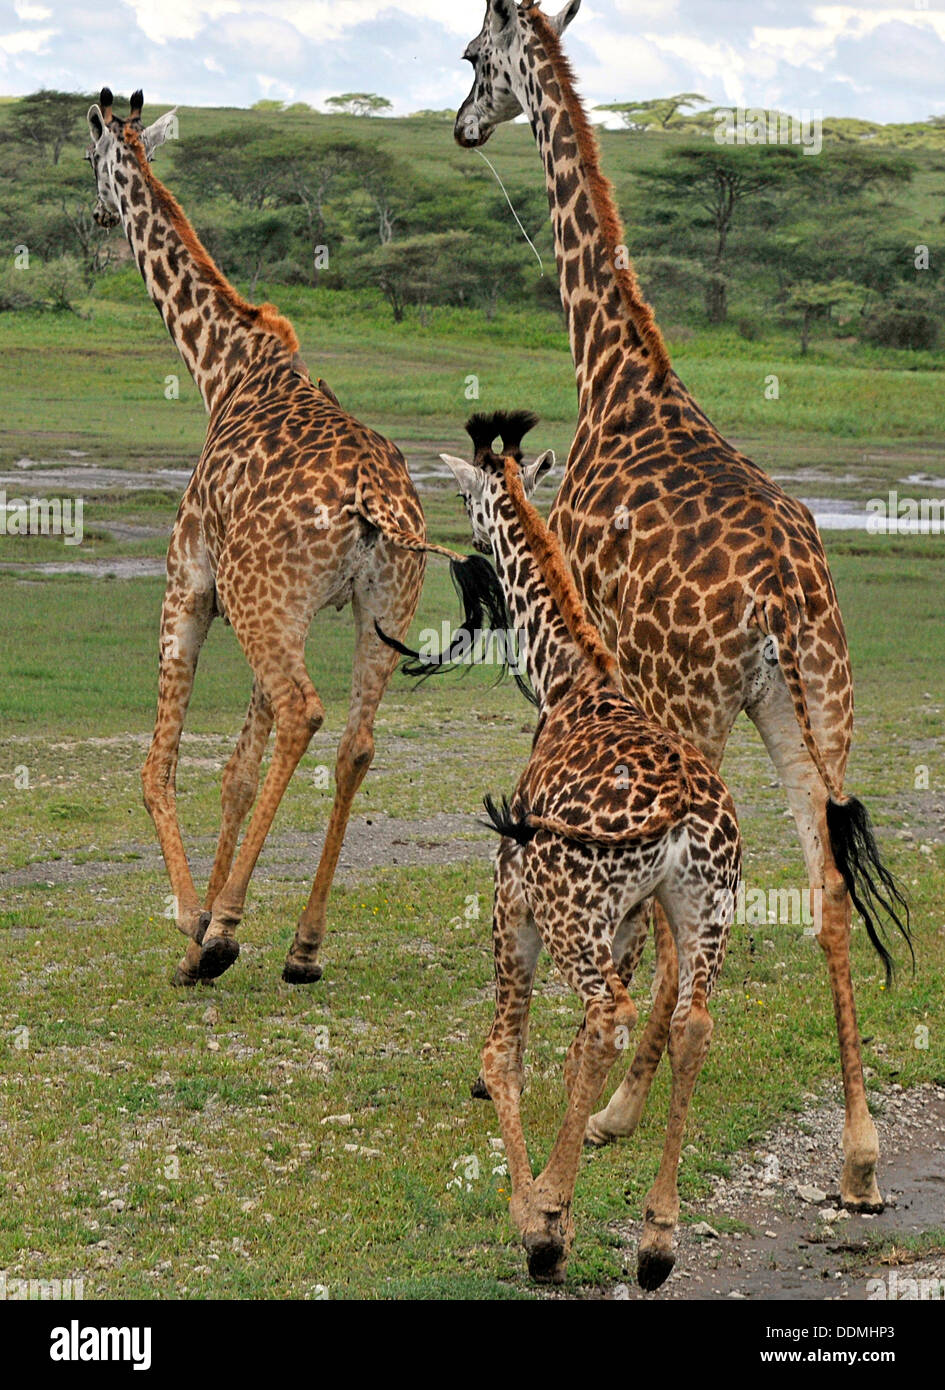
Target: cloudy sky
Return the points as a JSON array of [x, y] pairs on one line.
[[872, 59]]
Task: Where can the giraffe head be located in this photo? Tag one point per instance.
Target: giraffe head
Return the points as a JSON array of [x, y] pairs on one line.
[[108, 150], [498, 56], [482, 482]]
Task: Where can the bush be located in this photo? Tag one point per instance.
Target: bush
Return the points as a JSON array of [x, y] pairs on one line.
[[901, 328]]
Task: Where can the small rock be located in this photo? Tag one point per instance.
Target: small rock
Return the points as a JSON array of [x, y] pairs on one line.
[[337, 1120], [813, 1195], [211, 1016], [828, 1214], [702, 1228], [213, 1045], [772, 1235]]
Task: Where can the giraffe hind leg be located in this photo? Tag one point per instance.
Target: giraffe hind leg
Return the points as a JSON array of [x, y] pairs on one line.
[[388, 595], [807, 798]]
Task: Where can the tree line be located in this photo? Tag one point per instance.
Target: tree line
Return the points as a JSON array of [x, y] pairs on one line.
[[754, 235]]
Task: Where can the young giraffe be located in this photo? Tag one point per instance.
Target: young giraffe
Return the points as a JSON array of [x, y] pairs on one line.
[[708, 583], [293, 506], [611, 810]]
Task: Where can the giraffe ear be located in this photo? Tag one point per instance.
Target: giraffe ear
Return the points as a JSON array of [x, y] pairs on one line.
[[164, 128], [468, 476], [533, 474], [97, 125], [560, 22]]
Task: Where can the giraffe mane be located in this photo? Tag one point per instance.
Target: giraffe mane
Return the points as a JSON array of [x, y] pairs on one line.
[[264, 316], [554, 571], [601, 190]]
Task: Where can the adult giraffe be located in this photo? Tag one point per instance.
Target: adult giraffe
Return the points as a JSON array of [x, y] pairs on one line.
[[293, 506], [708, 583]]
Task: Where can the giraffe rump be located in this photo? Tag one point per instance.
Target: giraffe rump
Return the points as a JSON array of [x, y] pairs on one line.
[[873, 889]]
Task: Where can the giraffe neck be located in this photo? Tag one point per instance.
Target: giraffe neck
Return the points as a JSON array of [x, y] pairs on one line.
[[219, 335], [558, 653], [610, 325]]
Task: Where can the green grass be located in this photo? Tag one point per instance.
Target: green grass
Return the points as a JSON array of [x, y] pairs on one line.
[[152, 1165]]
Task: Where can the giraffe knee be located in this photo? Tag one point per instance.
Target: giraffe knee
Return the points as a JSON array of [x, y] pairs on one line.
[[156, 780]]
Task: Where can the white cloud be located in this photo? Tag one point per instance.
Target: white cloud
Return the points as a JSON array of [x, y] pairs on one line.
[[873, 58], [26, 41]]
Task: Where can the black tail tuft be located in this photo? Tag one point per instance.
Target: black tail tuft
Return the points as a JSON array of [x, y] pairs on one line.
[[484, 610], [872, 888], [502, 820]]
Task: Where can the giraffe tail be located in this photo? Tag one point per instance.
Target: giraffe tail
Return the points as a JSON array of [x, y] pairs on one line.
[[484, 610], [873, 889]]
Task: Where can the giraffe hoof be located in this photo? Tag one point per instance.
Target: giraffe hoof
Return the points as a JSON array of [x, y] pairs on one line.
[[479, 1090], [863, 1206], [595, 1136], [295, 974], [547, 1257], [182, 979], [218, 955], [654, 1268]]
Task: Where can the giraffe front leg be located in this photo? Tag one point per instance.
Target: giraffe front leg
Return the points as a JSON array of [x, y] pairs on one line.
[[185, 620]]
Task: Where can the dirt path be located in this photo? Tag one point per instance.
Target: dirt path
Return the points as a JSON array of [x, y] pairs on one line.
[[798, 1244], [372, 843]]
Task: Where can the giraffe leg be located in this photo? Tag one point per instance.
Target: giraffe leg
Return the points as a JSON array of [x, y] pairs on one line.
[[393, 608], [629, 941], [186, 617], [516, 945], [620, 1117], [281, 674], [807, 798], [689, 1036], [588, 966], [240, 784]]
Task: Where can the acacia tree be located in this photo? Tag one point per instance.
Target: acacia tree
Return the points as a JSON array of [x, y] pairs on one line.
[[661, 111], [806, 302], [46, 121], [359, 104], [708, 186]]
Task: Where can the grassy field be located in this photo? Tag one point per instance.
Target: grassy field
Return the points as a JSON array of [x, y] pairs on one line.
[[259, 1141], [164, 1144]]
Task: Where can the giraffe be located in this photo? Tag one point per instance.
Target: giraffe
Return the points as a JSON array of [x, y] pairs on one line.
[[293, 506], [708, 583], [610, 811]]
